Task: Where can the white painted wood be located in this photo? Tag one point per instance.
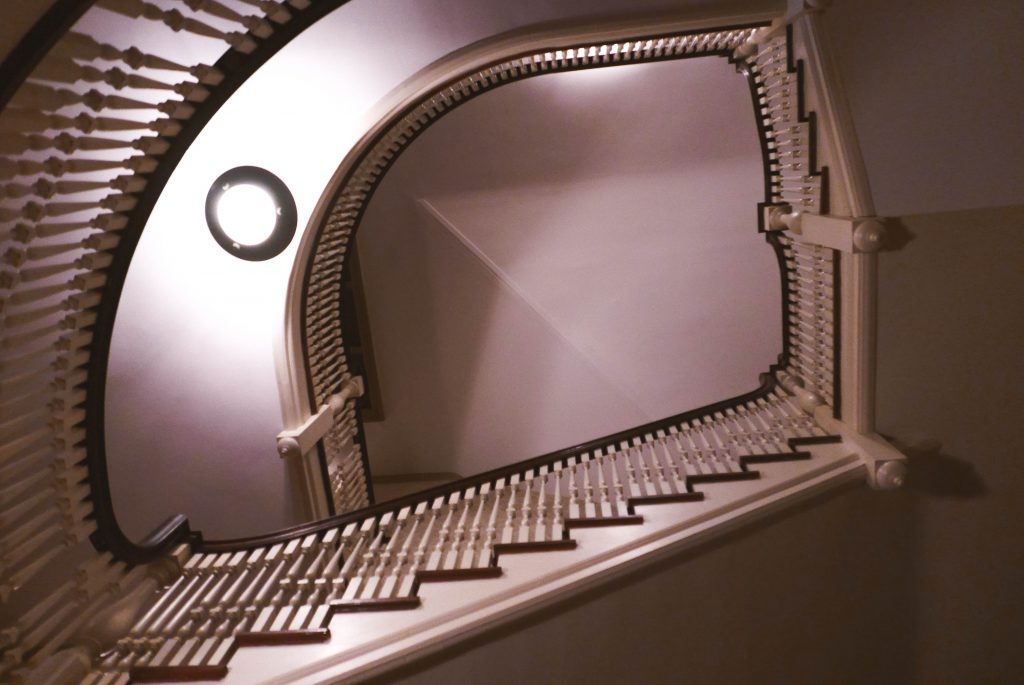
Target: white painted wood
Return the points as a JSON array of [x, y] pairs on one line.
[[297, 442], [363, 645], [852, 198]]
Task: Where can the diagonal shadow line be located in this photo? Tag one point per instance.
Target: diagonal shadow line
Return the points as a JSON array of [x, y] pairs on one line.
[[506, 281]]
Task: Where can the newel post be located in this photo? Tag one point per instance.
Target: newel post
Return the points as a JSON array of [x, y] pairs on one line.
[[125, 601]]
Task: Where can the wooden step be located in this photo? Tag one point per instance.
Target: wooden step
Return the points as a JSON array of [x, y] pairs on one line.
[[176, 674], [630, 520], [282, 637], [348, 606], [446, 575], [539, 546]]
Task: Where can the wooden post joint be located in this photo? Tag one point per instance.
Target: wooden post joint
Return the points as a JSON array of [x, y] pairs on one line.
[[846, 234], [886, 466], [295, 442]]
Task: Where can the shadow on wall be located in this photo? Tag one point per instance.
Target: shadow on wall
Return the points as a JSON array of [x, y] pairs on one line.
[[919, 586], [951, 321], [897, 235], [822, 593], [935, 474]]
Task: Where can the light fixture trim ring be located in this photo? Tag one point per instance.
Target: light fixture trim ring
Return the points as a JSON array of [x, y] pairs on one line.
[[285, 221]]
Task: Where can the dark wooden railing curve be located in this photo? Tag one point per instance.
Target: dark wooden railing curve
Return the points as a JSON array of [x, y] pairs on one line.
[[37, 42], [200, 544], [237, 67], [365, 168], [67, 432]]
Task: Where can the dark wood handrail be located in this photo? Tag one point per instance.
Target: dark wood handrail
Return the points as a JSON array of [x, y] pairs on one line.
[[198, 542], [768, 384], [237, 67], [36, 43]]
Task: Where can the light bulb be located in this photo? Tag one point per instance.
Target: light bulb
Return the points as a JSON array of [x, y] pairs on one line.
[[247, 214]]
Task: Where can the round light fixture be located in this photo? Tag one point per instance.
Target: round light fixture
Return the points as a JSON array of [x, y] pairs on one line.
[[251, 213]]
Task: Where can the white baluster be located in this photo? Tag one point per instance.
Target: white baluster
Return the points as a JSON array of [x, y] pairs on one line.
[[540, 518], [526, 515], [403, 559], [590, 509], [455, 549], [472, 547], [493, 536], [648, 487], [511, 511], [416, 545], [558, 522], [575, 508]]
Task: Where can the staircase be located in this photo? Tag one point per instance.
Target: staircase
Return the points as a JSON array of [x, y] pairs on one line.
[[542, 527], [81, 166]]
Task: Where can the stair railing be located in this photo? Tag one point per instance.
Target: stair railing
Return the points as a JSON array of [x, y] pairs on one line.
[[310, 368], [285, 587], [92, 123], [73, 208]]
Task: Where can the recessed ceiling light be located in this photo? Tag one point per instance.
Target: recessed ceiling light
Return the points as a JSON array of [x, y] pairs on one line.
[[251, 213]]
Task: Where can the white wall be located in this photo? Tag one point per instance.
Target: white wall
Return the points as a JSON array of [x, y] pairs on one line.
[[538, 273]]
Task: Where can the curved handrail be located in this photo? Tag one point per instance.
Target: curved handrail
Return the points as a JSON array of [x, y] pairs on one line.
[[305, 380], [76, 362], [37, 42], [768, 385], [298, 395], [53, 370], [237, 67]]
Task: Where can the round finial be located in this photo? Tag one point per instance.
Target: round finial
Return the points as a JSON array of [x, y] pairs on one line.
[[808, 400], [869, 236], [782, 217], [336, 402], [789, 382], [745, 50], [288, 447], [891, 475]]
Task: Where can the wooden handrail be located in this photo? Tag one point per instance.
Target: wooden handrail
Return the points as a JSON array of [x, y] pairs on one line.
[[237, 67], [410, 110], [200, 544], [69, 429], [36, 43]]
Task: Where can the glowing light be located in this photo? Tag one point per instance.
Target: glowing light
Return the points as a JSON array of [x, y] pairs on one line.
[[247, 213]]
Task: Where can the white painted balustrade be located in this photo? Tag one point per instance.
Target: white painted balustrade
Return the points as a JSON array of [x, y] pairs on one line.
[[288, 591], [76, 145], [77, 140]]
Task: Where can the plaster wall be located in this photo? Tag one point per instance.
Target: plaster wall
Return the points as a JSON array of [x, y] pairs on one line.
[[936, 92], [538, 275], [916, 586]]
